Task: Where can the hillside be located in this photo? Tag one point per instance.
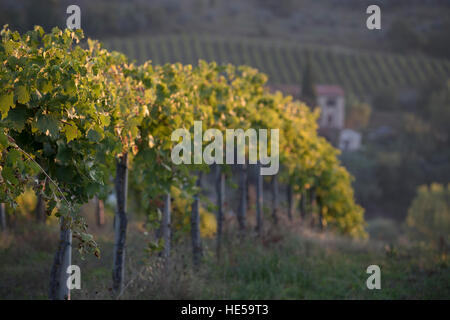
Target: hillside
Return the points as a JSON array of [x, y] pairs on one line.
[[363, 74]]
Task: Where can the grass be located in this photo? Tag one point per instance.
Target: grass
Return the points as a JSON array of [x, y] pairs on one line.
[[289, 263], [304, 269]]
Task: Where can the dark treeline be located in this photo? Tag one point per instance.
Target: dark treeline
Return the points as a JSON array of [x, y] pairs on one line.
[[404, 28]]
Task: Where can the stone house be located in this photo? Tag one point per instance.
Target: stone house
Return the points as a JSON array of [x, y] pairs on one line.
[[331, 100]]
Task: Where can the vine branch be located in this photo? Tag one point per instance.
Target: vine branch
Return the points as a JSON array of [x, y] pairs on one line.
[[43, 171]]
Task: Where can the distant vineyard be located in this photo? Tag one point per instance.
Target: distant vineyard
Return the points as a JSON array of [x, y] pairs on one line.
[[360, 73]]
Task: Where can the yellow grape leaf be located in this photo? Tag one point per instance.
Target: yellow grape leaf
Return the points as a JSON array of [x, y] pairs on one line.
[[69, 87], [71, 131], [104, 120], [3, 140], [23, 96], [6, 102], [9, 47], [46, 87]]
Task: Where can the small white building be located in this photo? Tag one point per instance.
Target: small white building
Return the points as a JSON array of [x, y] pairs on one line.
[[331, 101], [349, 140]]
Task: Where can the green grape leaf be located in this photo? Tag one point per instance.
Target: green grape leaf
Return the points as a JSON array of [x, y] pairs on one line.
[[8, 175], [53, 188], [94, 136], [96, 176], [44, 85], [33, 168], [9, 47], [14, 156], [64, 153], [6, 102], [69, 87], [23, 96], [71, 131], [3, 139], [48, 125], [17, 117], [104, 120]]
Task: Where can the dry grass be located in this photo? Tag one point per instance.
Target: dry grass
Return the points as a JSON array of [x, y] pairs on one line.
[[288, 262]]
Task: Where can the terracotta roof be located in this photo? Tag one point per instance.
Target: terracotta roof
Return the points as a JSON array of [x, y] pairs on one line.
[[329, 90]]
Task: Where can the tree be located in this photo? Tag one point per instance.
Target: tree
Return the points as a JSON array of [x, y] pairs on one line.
[[308, 85], [436, 43], [385, 99], [41, 139], [429, 213], [357, 114], [281, 8], [420, 155], [403, 38]]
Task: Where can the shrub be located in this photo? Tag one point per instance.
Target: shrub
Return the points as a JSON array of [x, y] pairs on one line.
[[429, 213]]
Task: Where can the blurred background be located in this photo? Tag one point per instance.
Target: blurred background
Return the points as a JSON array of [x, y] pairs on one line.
[[384, 94]]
